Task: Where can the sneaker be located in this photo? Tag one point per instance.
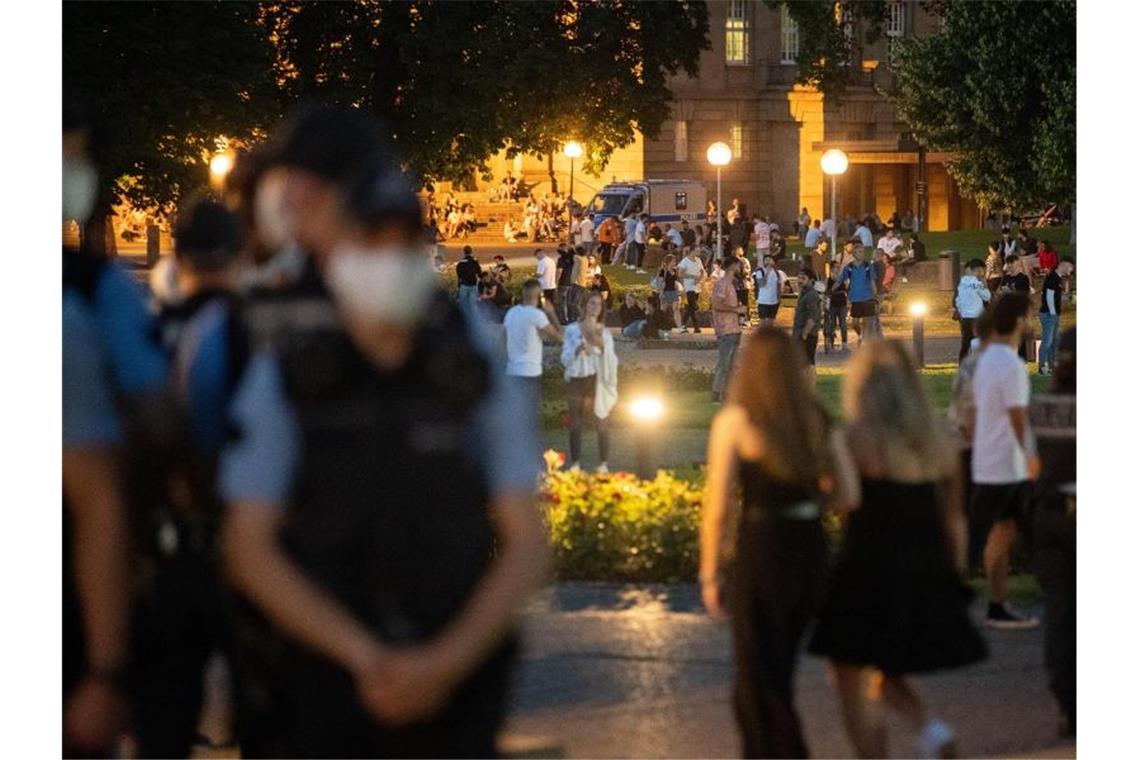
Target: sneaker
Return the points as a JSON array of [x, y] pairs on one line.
[[936, 740], [905, 280], [1002, 617], [696, 331], [683, 331], [603, 468]]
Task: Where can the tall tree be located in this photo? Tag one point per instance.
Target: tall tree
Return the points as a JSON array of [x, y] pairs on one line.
[[997, 87], [458, 81], [162, 82]]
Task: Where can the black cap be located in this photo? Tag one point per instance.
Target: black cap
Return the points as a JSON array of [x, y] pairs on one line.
[[330, 142]]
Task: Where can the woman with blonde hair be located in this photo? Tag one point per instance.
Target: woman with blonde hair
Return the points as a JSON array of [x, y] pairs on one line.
[[773, 438], [897, 602]]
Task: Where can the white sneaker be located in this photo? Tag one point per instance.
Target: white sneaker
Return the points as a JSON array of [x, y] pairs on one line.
[[905, 280], [936, 740], [603, 468], [683, 330], [574, 468], [642, 271]]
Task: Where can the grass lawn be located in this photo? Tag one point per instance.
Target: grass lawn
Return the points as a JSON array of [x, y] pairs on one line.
[[682, 438]]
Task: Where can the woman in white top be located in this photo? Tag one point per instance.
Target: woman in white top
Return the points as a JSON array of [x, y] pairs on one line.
[[591, 378]]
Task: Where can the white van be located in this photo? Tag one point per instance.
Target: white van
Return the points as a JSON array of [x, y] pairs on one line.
[[665, 200]]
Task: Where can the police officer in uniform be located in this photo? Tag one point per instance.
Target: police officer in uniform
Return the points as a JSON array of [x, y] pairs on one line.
[[114, 401], [379, 490]]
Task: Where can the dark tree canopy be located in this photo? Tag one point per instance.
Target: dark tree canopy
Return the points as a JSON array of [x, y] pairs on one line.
[[162, 81], [832, 36], [998, 87], [459, 81]]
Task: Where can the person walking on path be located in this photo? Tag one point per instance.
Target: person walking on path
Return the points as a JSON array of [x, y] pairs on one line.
[[994, 266], [667, 285], [860, 278], [836, 315], [727, 311], [808, 316], [467, 271], [525, 325], [897, 602], [1001, 465], [769, 283], [692, 272], [1052, 302], [971, 298], [567, 311], [591, 379], [789, 466]]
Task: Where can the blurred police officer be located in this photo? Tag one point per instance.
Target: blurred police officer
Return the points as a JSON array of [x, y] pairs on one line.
[[114, 376], [378, 462], [180, 619]]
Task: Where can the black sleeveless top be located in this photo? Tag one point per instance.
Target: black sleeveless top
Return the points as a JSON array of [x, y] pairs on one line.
[[765, 493]]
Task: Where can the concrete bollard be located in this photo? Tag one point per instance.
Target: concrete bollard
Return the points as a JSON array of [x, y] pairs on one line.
[[153, 237], [949, 269]]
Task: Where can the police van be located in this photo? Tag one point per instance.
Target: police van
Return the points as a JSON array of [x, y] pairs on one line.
[[665, 200]]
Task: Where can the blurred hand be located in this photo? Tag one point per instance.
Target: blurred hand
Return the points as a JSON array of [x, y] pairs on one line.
[[711, 595], [94, 716], [406, 685], [1033, 467]]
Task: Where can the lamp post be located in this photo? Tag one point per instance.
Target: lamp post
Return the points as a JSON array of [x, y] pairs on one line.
[[220, 165], [833, 163], [917, 321], [646, 412], [572, 150], [719, 154]]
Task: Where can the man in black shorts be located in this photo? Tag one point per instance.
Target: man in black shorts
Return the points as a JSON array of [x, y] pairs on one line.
[[863, 288], [1001, 464]]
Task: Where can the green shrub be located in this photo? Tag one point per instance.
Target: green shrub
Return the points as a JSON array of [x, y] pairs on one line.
[[619, 528]]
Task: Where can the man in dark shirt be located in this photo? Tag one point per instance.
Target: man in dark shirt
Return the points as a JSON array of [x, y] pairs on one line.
[[564, 274], [1052, 299], [688, 235], [468, 271], [806, 322]]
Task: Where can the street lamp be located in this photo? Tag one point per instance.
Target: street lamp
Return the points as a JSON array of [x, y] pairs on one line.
[[833, 163], [646, 411], [719, 154], [572, 150], [917, 321], [220, 166]]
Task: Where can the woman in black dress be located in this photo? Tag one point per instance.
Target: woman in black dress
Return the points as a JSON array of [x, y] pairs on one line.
[[773, 436], [897, 602]]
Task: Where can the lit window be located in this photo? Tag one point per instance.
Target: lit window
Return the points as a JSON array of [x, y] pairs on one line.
[[736, 33], [737, 141], [789, 36], [681, 141], [896, 29]]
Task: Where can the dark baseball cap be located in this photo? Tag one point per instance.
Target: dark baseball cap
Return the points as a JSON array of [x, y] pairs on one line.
[[331, 142], [382, 194]]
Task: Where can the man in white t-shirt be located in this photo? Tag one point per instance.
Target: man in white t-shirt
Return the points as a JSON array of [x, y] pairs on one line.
[[889, 243], [691, 270], [763, 233], [546, 274], [525, 326], [1000, 465], [586, 233], [769, 284], [639, 233]]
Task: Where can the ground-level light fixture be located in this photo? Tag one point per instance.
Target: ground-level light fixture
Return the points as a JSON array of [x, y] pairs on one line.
[[646, 411], [917, 321]]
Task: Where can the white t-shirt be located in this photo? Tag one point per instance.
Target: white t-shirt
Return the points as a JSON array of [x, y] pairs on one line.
[[768, 294], [1000, 384], [889, 244], [691, 271], [639, 233], [545, 273], [524, 342], [586, 231], [763, 234]]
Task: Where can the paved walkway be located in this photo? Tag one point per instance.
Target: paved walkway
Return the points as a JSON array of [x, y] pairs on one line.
[[640, 671]]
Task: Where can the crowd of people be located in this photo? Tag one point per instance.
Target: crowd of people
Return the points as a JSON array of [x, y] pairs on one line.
[[251, 465]]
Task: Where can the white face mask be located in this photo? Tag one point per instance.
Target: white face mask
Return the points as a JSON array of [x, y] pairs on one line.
[[388, 285], [274, 222], [80, 183]]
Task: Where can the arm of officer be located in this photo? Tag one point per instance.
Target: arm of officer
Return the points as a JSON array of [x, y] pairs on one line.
[[255, 477]]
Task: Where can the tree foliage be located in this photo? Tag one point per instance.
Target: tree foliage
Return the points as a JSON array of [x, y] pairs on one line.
[[163, 81], [458, 82], [832, 36], [997, 86]]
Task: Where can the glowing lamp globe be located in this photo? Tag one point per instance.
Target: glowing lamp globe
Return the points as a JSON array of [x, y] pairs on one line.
[[833, 162], [719, 154], [572, 149]]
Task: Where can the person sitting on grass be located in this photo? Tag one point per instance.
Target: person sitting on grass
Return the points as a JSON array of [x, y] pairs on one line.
[[632, 317]]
